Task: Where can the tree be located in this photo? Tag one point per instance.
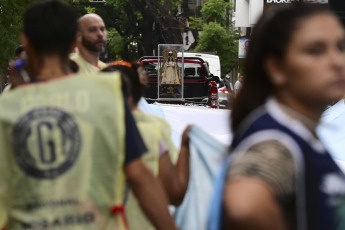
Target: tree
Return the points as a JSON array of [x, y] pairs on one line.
[[10, 27], [217, 35], [11, 23], [164, 14], [128, 20], [215, 10], [146, 23], [215, 38], [140, 25]]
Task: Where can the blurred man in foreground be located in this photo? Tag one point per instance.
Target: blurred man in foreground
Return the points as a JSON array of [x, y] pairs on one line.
[[68, 142]]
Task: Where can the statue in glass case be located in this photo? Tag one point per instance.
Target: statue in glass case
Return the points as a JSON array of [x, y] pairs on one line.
[[170, 72]]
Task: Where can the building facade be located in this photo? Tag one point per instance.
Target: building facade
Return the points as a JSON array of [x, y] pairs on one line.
[[248, 11]]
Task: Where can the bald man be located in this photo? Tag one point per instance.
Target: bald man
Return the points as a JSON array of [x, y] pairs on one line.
[[91, 41]]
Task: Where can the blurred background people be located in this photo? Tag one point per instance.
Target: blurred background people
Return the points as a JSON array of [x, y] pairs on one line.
[[238, 85], [162, 154], [69, 142], [19, 53], [228, 83], [91, 41], [281, 176]]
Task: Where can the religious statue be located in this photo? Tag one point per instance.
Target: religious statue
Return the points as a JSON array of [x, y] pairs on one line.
[[170, 72]]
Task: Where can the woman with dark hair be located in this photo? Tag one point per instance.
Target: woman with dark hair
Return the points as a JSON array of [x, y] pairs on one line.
[[171, 167], [281, 176]]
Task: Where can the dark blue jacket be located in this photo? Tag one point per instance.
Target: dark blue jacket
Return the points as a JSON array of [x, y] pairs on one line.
[[320, 184]]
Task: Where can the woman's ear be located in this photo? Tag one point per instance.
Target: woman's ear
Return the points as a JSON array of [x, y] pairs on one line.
[[275, 71]]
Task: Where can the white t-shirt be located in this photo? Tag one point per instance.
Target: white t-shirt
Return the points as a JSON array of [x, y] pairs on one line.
[[238, 86]]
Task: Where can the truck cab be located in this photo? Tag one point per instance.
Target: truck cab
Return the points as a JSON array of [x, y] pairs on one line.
[[196, 78], [212, 60]]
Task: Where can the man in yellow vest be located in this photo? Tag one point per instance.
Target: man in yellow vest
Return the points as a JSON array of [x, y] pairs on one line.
[[68, 141], [91, 41]]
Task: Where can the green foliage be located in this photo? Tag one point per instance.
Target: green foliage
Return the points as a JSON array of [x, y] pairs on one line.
[[90, 10], [215, 10], [11, 23], [121, 19], [115, 42], [196, 23], [212, 37], [218, 36], [171, 4], [144, 23]]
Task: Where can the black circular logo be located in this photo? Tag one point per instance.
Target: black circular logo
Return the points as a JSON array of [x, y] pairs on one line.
[[46, 142]]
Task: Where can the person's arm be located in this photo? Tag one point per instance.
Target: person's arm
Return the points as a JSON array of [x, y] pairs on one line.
[[145, 186], [175, 178], [150, 195], [260, 189], [250, 204]]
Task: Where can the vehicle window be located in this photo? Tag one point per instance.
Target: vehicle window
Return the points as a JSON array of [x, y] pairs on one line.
[[192, 70], [207, 69], [189, 72], [151, 68], [199, 71]]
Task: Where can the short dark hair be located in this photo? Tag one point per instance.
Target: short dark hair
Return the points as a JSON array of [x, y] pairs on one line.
[[51, 27], [270, 38], [18, 50]]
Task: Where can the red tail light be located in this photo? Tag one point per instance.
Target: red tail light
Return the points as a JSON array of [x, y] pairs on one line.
[[224, 90], [213, 97]]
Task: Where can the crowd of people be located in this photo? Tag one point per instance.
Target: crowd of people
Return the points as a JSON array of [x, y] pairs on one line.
[[77, 152]]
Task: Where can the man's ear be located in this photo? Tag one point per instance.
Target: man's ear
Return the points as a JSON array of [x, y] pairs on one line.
[[79, 37], [74, 47], [274, 70]]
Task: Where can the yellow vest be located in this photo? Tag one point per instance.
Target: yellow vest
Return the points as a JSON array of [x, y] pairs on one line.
[[152, 129], [86, 67], [62, 153], [166, 136], [7, 88]]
